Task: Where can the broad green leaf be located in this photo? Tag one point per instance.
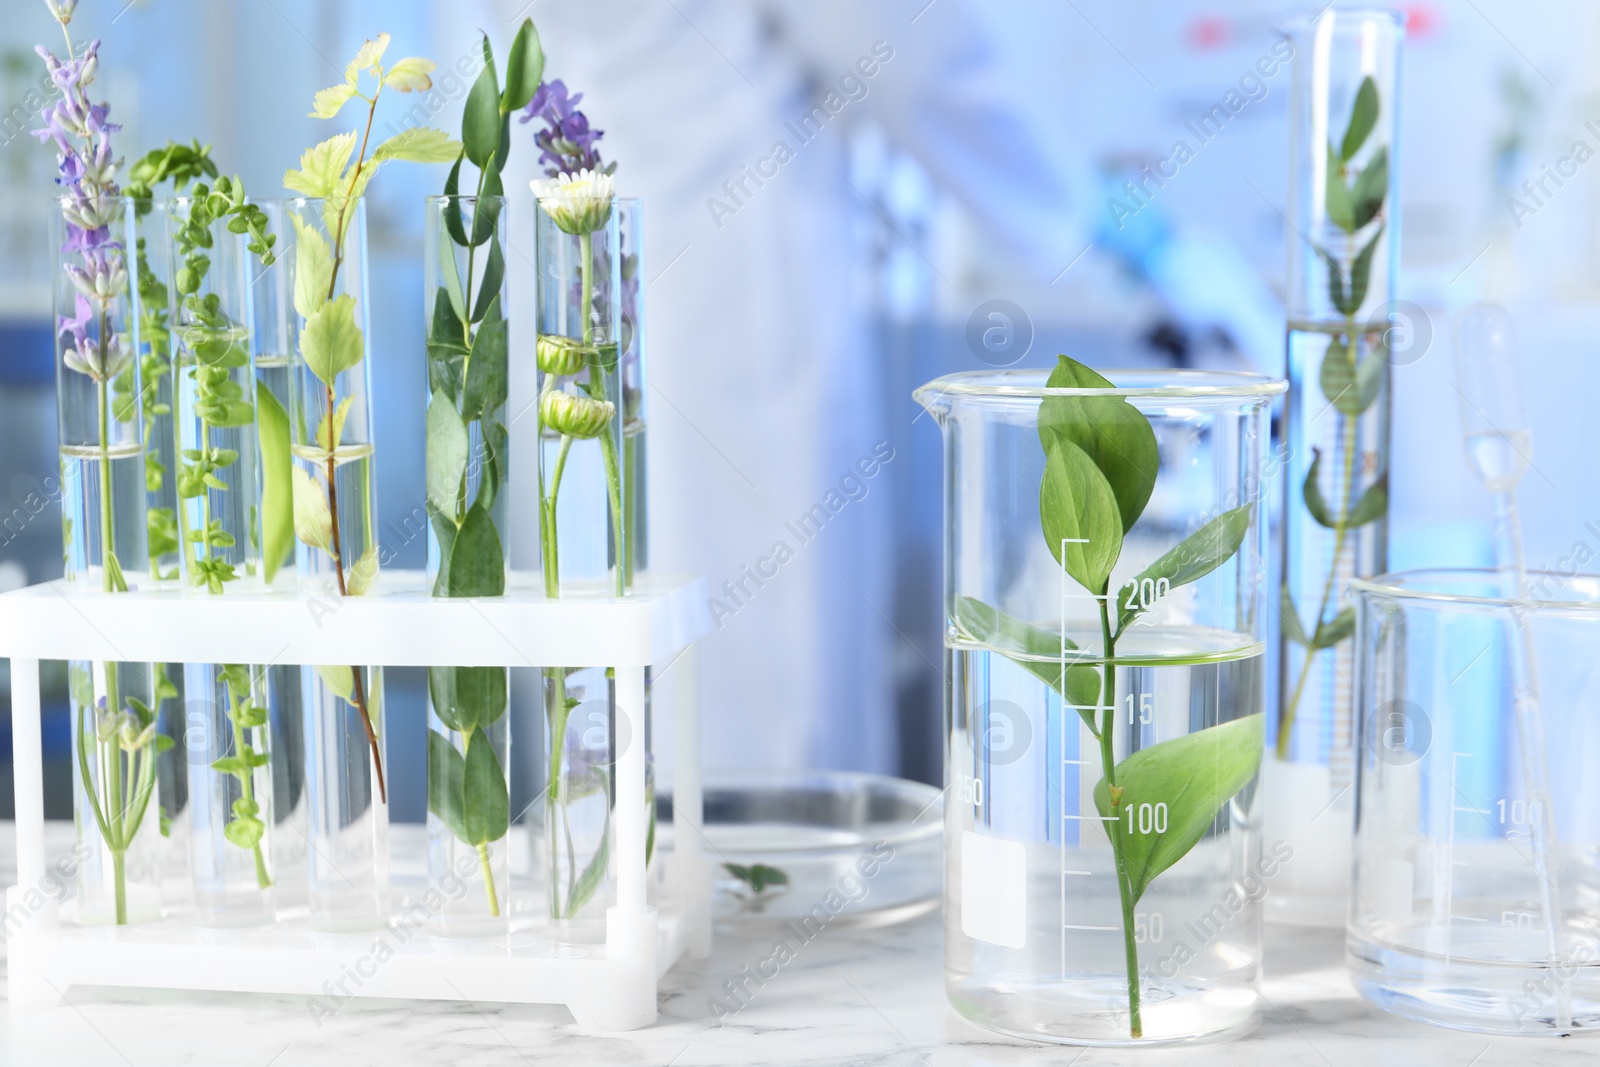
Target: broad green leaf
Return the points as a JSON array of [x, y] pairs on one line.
[[524, 69], [487, 370], [480, 119], [245, 832], [419, 144], [1116, 436], [313, 267], [496, 443], [467, 698], [444, 529], [1363, 116], [1336, 197], [1193, 776], [494, 272], [1079, 514], [1330, 633], [486, 213], [339, 679], [410, 75], [331, 342], [277, 484], [477, 559], [486, 807], [1289, 617], [1373, 505], [1311, 492], [1192, 558], [447, 449], [1034, 650], [1350, 389], [321, 166], [1371, 186], [446, 772], [1336, 294], [503, 153], [327, 102], [313, 523], [1361, 270]]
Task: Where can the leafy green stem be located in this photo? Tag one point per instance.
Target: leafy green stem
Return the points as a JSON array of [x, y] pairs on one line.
[[1108, 765]]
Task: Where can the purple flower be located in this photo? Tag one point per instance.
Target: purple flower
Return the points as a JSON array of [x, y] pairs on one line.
[[568, 142]]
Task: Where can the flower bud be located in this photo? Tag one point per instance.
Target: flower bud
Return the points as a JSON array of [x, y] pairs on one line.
[[576, 416], [61, 9], [558, 354]]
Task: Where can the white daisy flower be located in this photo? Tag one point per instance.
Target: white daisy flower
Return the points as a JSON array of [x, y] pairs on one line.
[[579, 204]]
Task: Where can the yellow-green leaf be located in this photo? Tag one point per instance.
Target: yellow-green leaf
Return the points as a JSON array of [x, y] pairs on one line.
[[331, 342], [313, 267], [277, 485], [419, 144], [410, 75], [313, 523], [329, 442], [368, 57], [327, 102], [363, 573], [339, 678], [321, 165]]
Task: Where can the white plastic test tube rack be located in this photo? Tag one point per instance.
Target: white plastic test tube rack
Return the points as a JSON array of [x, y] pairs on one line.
[[609, 987]]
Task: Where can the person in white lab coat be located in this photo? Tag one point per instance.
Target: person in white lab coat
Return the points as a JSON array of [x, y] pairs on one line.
[[729, 119]]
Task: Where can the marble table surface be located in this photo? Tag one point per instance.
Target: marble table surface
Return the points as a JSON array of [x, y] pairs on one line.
[[851, 996]]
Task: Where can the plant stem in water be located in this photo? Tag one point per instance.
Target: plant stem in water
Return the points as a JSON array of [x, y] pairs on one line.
[[1108, 765]]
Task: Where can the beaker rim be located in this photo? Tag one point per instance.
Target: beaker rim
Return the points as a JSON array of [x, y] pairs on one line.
[[1164, 383], [1306, 20], [1407, 585]]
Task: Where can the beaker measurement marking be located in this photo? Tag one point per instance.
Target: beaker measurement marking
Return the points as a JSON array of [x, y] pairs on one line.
[[1089, 818], [1104, 929], [1466, 918], [1084, 874], [1079, 763]]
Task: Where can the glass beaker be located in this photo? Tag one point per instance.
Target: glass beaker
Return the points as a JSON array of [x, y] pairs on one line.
[[1475, 901], [1344, 241], [1104, 561]]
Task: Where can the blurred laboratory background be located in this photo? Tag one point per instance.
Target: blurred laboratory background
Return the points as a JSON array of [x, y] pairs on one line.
[[845, 199]]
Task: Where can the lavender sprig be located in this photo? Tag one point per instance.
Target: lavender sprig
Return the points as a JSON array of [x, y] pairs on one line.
[[567, 143]]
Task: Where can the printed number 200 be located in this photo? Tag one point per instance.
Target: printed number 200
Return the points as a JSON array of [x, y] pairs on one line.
[[1143, 593]]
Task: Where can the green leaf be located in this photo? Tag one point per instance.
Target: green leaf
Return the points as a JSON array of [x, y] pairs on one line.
[[446, 772], [1079, 514], [488, 369], [1311, 492], [1330, 633], [313, 522], [419, 144], [339, 679], [486, 806], [477, 560], [328, 436], [1336, 196], [234, 765], [452, 282], [1289, 617], [1335, 283], [1192, 558], [452, 206], [524, 69], [1193, 776], [1361, 270], [467, 698], [447, 453], [1371, 186], [502, 153], [1373, 505], [1363, 116], [494, 272], [321, 166], [589, 881], [1034, 650], [496, 441], [327, 102], [1350, 389], [1116, 436], [245, 831], [332, 342], [757, 876], [480, 119], [486, 213], [363, 573]]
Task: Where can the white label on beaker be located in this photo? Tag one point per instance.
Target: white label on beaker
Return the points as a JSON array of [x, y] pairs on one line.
[[994, 890]]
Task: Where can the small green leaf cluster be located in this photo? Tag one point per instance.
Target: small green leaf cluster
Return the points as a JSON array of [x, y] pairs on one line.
[[1352, 203], [467, 792], [246, 828], [758, 876]]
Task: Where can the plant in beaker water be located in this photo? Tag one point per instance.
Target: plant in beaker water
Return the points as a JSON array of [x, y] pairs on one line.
[[1350, 380], [1156, 804]]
